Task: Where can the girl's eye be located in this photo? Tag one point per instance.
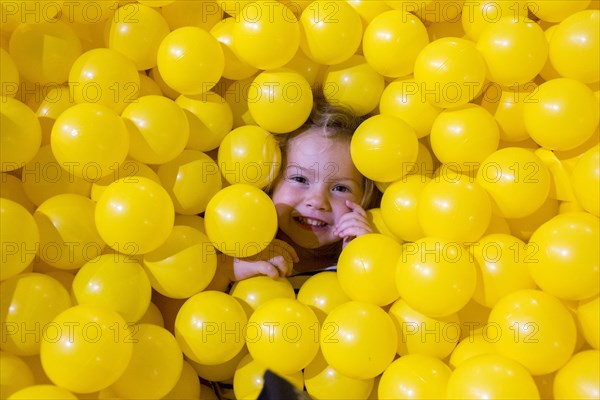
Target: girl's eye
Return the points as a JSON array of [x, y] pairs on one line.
[[341, 188], [298, 178]]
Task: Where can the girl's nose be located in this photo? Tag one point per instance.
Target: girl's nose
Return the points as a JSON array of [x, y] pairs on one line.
[[317, 200]]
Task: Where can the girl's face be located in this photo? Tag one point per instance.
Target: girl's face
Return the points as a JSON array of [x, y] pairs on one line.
[[315, 183]]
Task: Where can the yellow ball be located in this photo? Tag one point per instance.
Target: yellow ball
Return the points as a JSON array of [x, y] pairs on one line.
[[507, 106], [104, 77], [414, 376], [30, 301], [21, 134], [574, 44], [404, 99], [392, 42], [353, 83], [375, 218], [89, 141], [366, 269], [585, 179], [533, 328], [9, 74], [46, 392], [516, 179], [383, 148], [158, 129], [219, 372], [502, 267], [588, 315], [210, 118], [43, 177], [68, 236], [191, 179], [90, 348], [323, 293], [474, 344], [56, 100], [450, 72], [464, 135], [331, 32], [266, 35], [138, 38], [128, 169], [240, 220], [439, 12], [419, 334], [279, 100], [44, 52], [188, 385], [367, 10], [251, 155], [257, 290], [358, 340], [565, 263], [209, 327], [323, 382], [578, 378], [458, 210], [399, 207], [283, 335], [90, 12], [306, 67], [235, 69], [20, 237], [190, 60], [16, 374], [479, 15], [491, 376], [203, 14], [514, 51], [436, 277], [115, 282], [562, 104], [134, 216], [155, 353], [557, 11]]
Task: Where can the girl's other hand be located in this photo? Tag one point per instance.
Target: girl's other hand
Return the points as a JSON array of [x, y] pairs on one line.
[[276, 260]]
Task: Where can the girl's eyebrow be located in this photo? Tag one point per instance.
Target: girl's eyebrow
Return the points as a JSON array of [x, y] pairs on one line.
[[295, 168], [329, 177], [299, 167], [343, 179]]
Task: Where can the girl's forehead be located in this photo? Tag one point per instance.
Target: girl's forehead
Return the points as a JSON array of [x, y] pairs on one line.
[[314, 142]]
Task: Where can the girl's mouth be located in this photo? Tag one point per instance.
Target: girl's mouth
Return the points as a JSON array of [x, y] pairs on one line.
[[311, 224]]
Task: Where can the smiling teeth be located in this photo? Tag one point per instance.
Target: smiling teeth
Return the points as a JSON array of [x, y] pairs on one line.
[[312, 222]]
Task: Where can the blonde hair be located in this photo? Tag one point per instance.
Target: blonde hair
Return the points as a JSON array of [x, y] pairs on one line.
[[332, 122]]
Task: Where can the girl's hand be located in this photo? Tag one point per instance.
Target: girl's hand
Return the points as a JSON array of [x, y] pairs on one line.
[[352, 224], [276, 260]]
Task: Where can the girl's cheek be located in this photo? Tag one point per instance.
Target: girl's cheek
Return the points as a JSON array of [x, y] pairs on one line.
[[341, 208]]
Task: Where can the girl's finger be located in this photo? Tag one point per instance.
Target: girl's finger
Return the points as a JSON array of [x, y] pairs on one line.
[[265, 268], [353, 231], [282, 265], [354, 207], [350, 219]]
